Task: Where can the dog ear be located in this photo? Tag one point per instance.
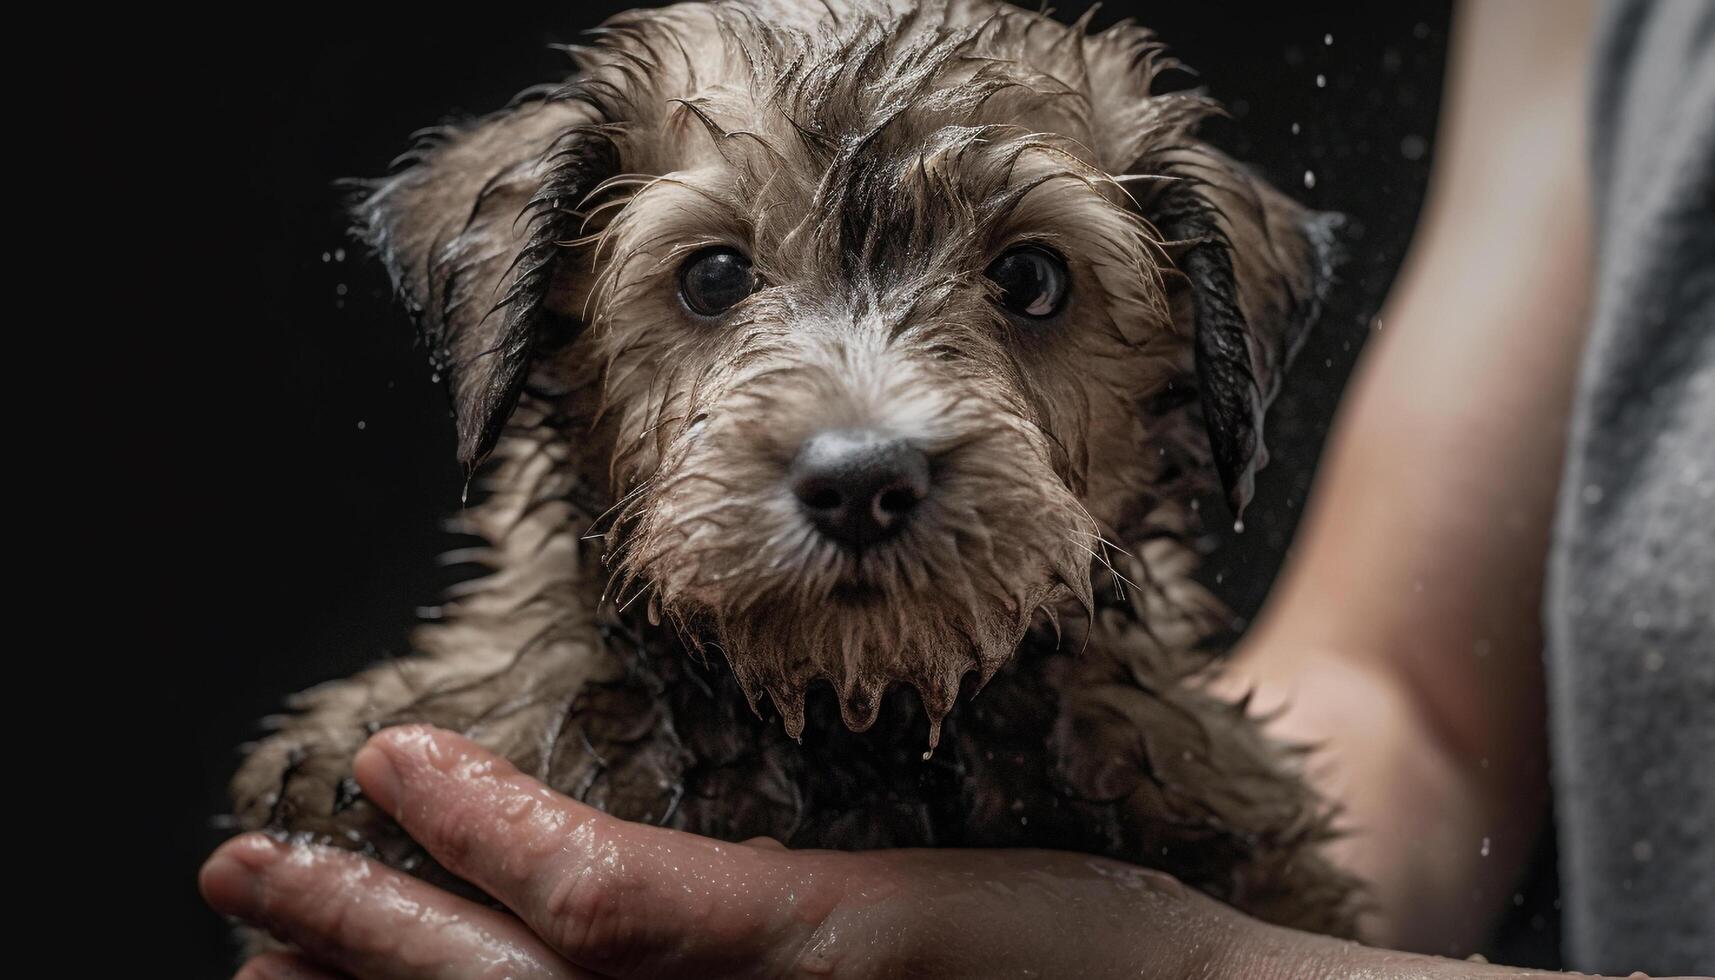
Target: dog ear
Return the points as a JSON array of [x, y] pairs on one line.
[[472, 230], [1256, 266]]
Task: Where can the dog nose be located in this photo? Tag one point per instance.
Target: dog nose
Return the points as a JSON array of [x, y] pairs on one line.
[[859, 486]]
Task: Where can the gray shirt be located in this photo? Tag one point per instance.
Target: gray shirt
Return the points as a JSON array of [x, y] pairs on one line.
[[1631, 598]]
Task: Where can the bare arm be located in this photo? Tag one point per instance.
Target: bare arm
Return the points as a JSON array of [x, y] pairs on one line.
[[1405, 632]]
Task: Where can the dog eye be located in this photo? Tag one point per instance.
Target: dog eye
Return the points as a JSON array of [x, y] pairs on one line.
[[715, 279], [1032, 280]]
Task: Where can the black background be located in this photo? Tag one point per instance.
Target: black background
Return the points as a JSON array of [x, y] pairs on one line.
[[307, 462]]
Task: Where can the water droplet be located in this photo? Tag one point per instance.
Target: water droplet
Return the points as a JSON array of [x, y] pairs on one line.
[[1642, 851], [361, 425], [1484, 850], [1413, 147], [1309, 179], [1296, 129], [1321, 80], [1327, 40], [1592, 494], [1654, 661]]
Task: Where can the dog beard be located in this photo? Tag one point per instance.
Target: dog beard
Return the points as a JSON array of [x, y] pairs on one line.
[[744, 574], [863, 646]]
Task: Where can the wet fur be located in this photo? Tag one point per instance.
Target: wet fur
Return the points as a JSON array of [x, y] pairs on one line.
[[662, 634]]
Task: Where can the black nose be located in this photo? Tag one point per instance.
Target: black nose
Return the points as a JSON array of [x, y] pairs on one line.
[[859, 486]]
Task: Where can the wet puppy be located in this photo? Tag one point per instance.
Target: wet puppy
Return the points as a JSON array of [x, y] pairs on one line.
[[830, 364]]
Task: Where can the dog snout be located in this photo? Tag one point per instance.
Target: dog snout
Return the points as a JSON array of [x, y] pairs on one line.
[[859, 487]]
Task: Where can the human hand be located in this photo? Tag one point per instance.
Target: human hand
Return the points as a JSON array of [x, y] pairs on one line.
[[593, 896]]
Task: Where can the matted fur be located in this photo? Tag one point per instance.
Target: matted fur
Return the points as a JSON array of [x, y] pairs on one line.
[[872, 159]]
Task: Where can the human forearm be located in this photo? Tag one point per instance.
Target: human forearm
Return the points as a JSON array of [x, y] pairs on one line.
[[1404, 636], [1424, 831], [1276, 954]]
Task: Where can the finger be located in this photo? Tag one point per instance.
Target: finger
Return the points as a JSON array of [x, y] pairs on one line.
[[284, 966], [619, 897], [366, 920]]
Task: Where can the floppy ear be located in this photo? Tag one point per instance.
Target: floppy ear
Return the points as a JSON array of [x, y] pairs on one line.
[[472, 231], [1256, 268]]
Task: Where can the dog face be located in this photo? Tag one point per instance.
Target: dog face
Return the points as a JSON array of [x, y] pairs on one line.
[[876, 318]]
